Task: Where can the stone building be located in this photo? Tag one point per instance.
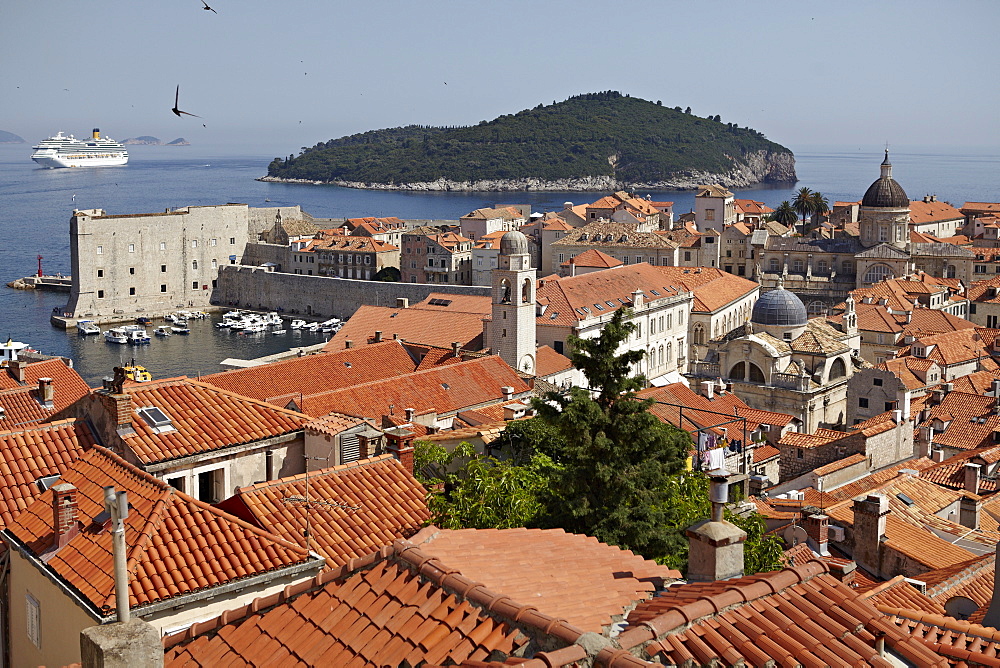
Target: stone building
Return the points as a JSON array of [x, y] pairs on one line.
[[622, 241], [784, 362], [128, 265], [511, 331], [432, 255], [479, 223], [346, 257], [714, 208]]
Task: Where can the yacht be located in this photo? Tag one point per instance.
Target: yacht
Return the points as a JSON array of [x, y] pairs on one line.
[[87, 327], [137, 336], [63, 151], [116, 335], [162, 330], [180, 328], [298, 324]]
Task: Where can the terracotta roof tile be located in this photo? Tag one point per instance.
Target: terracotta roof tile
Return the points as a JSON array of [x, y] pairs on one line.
[[593, 258], [203, 418], [972, 579], [22, 402], [436, 327], [931, 212], [713, 288], [548, 361], [962, 643], [535, 565], [898, 593], [169, 534], [354, 508], [30, 454]]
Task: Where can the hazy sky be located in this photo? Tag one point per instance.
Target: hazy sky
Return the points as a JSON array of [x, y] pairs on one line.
[[275, 76]]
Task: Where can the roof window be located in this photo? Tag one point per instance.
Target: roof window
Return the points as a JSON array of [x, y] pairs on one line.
[[45, 482], [655, 293], [905, 499], [156, 419], [446, 386], [347, 364], [555, 314], [598, 307]]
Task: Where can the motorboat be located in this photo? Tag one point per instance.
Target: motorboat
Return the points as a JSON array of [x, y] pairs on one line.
[[116, 335], [312, 327], [137, 336], [162, 330], [87, 327], [180, 329], [278, 331], [137, 372], [298, 324]]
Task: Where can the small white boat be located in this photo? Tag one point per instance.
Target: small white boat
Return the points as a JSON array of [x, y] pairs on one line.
[[87, 327], [278, 331], [298, 324], [170, 317], [162, 330], [312, 327], [222, 325], [137, 336], [116, 335], [184, 329]]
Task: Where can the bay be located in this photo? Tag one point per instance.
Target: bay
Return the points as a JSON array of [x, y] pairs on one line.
[[36, 204]]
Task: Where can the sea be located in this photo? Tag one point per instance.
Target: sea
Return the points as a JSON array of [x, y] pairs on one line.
[[36, 204]]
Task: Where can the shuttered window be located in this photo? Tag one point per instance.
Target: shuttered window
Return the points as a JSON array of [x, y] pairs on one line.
[[349, 448]]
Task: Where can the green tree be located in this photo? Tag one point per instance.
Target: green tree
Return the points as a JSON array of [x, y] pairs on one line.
[[784, 214], [615, 456], [387, 274], [803, 203]]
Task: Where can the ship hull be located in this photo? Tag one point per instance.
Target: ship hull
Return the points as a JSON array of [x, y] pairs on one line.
[[58, 161]]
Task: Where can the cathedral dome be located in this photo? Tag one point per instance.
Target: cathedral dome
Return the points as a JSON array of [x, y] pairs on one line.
[[885, 192], [513, 243], [779, 307]]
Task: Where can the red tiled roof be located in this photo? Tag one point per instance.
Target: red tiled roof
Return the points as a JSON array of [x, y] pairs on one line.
[[593, 258], [414, 325], [970, 417], [962, 643], [443, 389], [317, 373], [56, 369], [355, 508], [177, 544], [796, 616], [898, 593], [203, 418], [951, 348], [27, 455], [536, 565], [972, 579], [878, 478], [922, 212], [712, 288], [548, 361], [22, 402]]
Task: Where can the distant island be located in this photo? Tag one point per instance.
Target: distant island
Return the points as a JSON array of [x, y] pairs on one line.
[[10, 138], [146, 140], [597, 141]]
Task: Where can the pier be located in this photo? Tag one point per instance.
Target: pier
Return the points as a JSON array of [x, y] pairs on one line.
[[57, 283]]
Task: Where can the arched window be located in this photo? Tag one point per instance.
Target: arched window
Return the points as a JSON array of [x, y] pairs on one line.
[[738, 372], [816, 307], [662, 359], [504, 291], [699, 334], [878, 272], [526, 291], [837, 369], [667, 352], [754, 375]]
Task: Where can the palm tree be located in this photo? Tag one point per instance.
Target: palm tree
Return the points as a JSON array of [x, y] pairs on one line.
[[784, 214], [803, 203], [820, 203]]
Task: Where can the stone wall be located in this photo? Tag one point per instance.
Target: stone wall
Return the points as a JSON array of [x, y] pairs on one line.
[[253, 287]]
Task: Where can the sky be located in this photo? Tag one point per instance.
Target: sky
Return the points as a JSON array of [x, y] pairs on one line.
[[272, 77]]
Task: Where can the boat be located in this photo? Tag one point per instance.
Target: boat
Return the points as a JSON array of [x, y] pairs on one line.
[[63, 151], [116, 335], [10, 350], [277, 331], [87, 327], [137, 336], [144, 320], [298, 324], [183, 329], [137, 372], [162, 330]]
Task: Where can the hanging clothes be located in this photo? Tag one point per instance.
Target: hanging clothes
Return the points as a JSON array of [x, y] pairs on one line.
[[716, 459]]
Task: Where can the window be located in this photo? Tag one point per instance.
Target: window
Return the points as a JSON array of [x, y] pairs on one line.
[[163, 245], [638, 259], [562, 258], [709, 240], [194, 243], [775, 265], [709, 214], [638, 330], [177, 483], [163, 287], [557, 346], [211, 485], [215, 263], [163, 268], [131, 270], [877, 273], [797, 266], [32, 620], [131, 291], [847, 267], [877, 382], [687, 256], [213, 242], [194, 285], [821, 267], [100, 294], [863, 402], [798, 453], [100, 250], [232, 241], [890, 405], [100, 273], [131, 248]]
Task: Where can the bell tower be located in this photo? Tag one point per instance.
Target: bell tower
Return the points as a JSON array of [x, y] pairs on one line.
[[512, 330]]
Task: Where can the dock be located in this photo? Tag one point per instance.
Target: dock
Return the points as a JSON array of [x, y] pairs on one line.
[[57, 283]]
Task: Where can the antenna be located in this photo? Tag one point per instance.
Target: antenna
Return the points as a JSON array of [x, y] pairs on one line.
[[305, 501]]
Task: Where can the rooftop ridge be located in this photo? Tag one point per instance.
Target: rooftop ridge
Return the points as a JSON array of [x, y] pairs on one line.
[[43, 426], [949, 623], [734, 593]]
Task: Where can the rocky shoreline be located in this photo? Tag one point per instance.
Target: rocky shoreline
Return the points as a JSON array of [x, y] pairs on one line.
[[759, 167]]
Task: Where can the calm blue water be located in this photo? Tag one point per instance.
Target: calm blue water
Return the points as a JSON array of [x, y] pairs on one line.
[[35, 206]]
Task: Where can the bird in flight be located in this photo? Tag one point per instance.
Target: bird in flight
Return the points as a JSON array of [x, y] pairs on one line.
[[177, 111], [206, 7]]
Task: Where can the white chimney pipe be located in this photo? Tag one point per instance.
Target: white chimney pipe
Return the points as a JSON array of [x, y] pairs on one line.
[[117, 507]]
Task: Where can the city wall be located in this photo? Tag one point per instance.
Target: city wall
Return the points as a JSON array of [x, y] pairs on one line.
[[257, 288]]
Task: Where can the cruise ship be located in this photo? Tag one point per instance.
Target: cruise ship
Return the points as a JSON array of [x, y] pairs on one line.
[[63, 151]]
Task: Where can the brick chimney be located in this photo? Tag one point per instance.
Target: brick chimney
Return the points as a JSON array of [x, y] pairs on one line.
[[64, 514], [972, 477], [869, 531], [968, 514], [400, 445], [117, 407], [46, 393], [378, 336], [17, 367], [818, 532], [715, 545]]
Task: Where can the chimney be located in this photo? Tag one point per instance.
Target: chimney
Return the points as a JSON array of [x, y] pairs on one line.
[[903, 402], [972, 478], [118, 407], [716, 546], [818, 532], [709, 389], [410, 414], [456, 349], [400, 444], [844, 571], [64, 514], [392, 409], [348, 344], [402, 302], [992, 617], [46, 393], [121, 645], [378, 336], [18, 368], [897, 416], [869, 531], [937, 455], [508, 392], [572, 266], [968, 514]]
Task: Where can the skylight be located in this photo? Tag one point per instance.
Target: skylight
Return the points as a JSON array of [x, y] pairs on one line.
[[156, 419]]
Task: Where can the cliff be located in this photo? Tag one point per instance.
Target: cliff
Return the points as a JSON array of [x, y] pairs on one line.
[[598, 141]]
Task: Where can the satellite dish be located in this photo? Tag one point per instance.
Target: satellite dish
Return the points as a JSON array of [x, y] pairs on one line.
[[794, 535]]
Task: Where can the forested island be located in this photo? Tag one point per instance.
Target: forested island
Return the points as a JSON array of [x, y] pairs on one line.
[[596, 141], [10, 138]]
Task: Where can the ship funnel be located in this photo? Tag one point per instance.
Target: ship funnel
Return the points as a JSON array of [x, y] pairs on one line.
[[97, 133]]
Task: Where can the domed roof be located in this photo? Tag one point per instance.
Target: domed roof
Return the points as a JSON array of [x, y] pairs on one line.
[[513, 243], [779, 307], [885, 192]]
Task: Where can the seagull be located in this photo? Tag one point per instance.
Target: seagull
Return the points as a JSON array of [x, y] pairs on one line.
[[177, 111], [206, 7]]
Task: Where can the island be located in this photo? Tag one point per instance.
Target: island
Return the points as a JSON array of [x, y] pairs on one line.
[[180, 141], [147, 140], [10, 138], [592, 142]]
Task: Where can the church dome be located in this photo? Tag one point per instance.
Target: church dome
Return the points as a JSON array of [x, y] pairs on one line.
[[513, 243], [779, 307], [886, 192]]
